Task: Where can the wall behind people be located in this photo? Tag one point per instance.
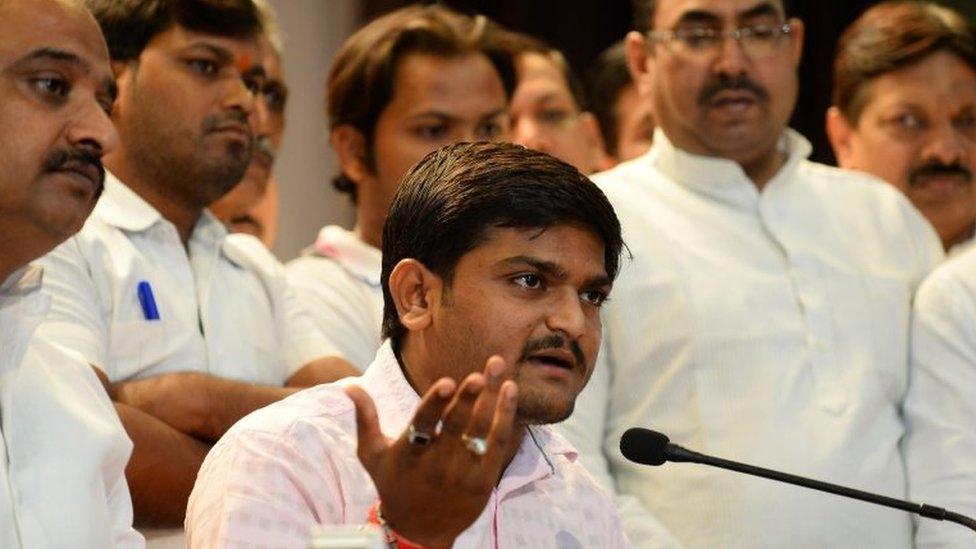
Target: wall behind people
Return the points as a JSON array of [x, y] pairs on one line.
[[312, 31], [581, 29]]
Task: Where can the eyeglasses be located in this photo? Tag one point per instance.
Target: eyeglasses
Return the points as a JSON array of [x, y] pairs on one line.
[[757, 41]]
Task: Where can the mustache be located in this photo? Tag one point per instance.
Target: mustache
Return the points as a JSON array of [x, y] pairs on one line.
[[214, 122], [554, 341], [731, 83], [70, 159], [936, 168]]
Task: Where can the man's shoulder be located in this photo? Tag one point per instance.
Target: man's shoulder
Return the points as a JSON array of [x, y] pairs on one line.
[[955, 277], [848, 183], [323, 408]]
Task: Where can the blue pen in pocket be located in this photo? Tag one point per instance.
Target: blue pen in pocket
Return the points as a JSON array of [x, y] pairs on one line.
[[147, 301]]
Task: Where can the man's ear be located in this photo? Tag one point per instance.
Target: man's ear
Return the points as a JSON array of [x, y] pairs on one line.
[[839, 133], [639, 61], [350, 146], [415, 290], [796, 38]]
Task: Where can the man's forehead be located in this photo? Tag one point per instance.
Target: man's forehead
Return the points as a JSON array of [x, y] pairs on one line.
[[460, 86], [30, 26], [668, 12], [537, 68], [247, 48]]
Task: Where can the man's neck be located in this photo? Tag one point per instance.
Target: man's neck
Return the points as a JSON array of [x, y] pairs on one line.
[[763, 168], [182, 215]]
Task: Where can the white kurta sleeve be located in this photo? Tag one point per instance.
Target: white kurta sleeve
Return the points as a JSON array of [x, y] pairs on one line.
[[75, 320], [941, 408]]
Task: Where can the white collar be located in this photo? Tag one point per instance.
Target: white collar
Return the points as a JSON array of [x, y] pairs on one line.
[[719, 178], [23, 281], [123, 208], [358, 258]]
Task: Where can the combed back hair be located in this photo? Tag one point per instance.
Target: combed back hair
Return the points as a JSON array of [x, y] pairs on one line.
[[607, 78], [361, 80], [892, 35], [129, 25], [644, 13], [449, 201], [517, 43]]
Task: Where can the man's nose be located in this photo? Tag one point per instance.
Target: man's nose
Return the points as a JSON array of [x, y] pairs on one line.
[[946, 145], [567, 316], [528, 132], [92, 128]]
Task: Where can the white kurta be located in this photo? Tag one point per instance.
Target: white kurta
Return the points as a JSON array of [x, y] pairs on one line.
[[768, 328], [941, 404], [62, 448], [224, 309], [339, 279]]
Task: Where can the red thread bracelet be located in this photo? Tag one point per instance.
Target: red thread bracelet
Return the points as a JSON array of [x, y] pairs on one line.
[[392, 537]]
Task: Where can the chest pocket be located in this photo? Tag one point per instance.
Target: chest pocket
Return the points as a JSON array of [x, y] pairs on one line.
[[136, 346]]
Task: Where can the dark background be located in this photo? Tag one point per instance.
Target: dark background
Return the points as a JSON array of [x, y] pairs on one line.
[[583, 28]]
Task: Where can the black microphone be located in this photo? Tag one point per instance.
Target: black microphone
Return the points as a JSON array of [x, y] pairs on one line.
[[649, 447]]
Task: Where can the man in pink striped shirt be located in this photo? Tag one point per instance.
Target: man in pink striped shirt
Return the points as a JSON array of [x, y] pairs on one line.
[[496, 260]]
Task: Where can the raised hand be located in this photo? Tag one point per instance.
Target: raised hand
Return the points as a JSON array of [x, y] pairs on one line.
[[433, 485]]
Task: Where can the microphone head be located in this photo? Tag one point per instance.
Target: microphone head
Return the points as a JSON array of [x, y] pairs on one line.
[[644, 446]]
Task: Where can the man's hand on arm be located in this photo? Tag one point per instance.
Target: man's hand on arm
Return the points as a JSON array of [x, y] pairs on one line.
[[200, 405], [431, 493]]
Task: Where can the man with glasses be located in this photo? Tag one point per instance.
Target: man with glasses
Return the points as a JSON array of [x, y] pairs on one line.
[[764, 315]]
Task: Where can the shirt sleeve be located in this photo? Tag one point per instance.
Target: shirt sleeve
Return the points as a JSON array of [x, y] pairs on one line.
[[75, 320], [940, 408], [338, 307], [586, 430], [300, 341]]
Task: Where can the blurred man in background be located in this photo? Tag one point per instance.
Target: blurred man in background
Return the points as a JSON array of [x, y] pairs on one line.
[[192, 327], [252, 206], [400, 87], [764, 317], [548, 107], [905, 109], [626, 121]]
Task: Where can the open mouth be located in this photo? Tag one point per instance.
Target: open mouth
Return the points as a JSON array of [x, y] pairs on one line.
[[556, 358]]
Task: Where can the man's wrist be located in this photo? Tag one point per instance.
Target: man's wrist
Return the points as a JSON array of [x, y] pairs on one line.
[[393, 538]]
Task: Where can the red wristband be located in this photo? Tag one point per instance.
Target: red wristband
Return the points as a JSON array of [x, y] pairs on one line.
[[393, 538]]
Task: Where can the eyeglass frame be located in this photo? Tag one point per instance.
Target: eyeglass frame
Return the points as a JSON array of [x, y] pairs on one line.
[[670, 36]]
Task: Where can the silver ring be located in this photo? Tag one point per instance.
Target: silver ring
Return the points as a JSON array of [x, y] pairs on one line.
[[419, 438], [476, 445]]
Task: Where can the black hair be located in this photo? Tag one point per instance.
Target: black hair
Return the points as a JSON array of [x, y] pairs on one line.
[[447, 203], [129, 25], [605, 80]]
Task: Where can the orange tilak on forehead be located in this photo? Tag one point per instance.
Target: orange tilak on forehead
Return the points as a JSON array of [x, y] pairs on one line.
[[244, 62]]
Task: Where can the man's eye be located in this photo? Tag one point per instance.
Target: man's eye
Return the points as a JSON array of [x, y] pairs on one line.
[[253, 85], [431, 132], [553, 117], [908, 121], [594, 297], [52, 86], [203, 66], [965, 122], [275, 97], [761, 32], [698, 38], [528, 281]]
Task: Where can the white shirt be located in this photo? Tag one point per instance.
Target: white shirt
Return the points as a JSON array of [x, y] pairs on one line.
[[226, 309], [339, 278], [62, 448], [769, 328], [941, 404], [293, 464]]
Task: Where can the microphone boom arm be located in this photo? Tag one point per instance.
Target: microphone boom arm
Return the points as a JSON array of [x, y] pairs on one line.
[[678, 454]]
